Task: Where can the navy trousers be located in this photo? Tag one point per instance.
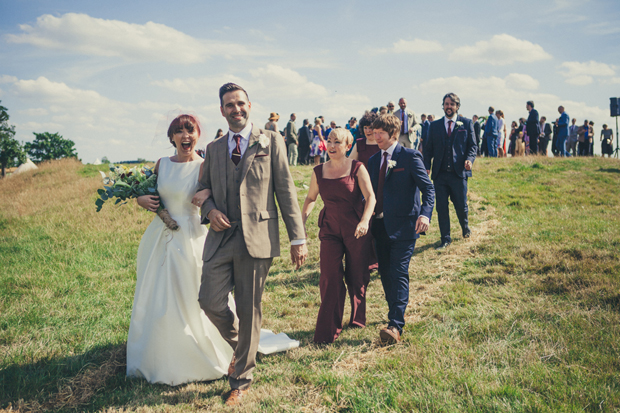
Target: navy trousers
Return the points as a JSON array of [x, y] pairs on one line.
[[450, 186], [394, 258]]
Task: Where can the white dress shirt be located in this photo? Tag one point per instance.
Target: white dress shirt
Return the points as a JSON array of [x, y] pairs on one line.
[[245, 139], [447, 119]]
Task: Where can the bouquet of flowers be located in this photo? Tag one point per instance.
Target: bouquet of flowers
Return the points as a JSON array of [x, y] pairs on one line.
[[124, 183]]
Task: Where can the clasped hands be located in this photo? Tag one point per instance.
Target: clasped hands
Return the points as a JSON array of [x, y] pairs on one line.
[[220, 222]]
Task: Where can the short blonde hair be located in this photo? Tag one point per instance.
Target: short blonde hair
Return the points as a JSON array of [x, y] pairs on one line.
[[343, 135]]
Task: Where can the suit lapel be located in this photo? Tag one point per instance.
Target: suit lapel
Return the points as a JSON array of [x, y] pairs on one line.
[[397, 149], [222, 157], [250, 152]]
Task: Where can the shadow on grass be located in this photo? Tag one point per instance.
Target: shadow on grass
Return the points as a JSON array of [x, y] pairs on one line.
[[610, 170]]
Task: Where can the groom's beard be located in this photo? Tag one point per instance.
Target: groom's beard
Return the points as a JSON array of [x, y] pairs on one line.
[[449, 112]]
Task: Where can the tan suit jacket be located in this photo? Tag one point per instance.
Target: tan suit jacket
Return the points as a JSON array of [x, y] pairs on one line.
[[411, 121], [264, 177]]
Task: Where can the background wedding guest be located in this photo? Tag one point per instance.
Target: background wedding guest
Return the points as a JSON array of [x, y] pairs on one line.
[[383, 110], [533, 127], [607, 139], [317, 148], [591, 138], [272, 125], [572, 137], [545, 136], [501, 134], [491, 133], [583, 139], [390, 107], [398, 177], [290, 134], [366, 146], [343, 184], [407, 119], [218, 134], [563, 132], [514, 135], [474, 119], [305, 141], [449, 157]]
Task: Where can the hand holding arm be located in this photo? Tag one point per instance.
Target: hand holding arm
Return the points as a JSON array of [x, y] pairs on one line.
[[201, 197], [148, 202]]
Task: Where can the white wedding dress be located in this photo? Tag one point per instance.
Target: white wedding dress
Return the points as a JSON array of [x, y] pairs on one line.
[[170, 339]]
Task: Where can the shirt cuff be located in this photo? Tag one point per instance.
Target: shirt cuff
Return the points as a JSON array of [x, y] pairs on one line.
[[298, 242], [429, 220]]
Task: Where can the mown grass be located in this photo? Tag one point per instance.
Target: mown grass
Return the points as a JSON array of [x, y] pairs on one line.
[[522, 317]]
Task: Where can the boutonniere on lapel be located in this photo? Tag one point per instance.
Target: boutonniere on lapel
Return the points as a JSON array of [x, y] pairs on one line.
[[391, 164], [459, 124], [263, 141]]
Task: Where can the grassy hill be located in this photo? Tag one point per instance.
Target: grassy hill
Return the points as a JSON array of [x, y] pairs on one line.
[[523, 316]]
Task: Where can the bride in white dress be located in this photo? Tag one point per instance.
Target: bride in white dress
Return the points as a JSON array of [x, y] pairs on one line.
[[170, 339]]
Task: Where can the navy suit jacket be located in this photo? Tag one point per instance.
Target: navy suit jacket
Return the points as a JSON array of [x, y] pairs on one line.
[[464, 147], [533, 125], [401, 192], [490, 126]]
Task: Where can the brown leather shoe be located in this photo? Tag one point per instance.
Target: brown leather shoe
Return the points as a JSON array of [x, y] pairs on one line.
[[235, 396], [389, 335], [231, 366]]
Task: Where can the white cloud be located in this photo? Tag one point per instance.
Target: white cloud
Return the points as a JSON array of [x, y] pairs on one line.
[[83, 34], [34, 112], [415, 46], [7, 79], [581, 80], [521, 81], [582, 73], [502, 49]]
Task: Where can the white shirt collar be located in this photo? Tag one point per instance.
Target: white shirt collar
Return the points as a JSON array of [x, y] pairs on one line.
[[389, 150], [245, 133]]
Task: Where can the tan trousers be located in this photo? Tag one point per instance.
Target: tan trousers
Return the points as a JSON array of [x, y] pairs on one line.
[[519, 147], [404, 140], [233, 267]]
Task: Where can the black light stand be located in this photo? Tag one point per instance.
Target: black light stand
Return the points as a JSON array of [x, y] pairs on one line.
[[614, 108]]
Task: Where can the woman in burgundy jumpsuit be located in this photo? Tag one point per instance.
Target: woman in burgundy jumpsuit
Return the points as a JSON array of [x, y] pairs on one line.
[[343, 184]]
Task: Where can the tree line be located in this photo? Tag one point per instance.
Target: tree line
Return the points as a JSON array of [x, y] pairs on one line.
[[45, 147]]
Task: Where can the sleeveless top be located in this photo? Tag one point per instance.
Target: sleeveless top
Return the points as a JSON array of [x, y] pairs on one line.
[[365, 151], [342, 197]]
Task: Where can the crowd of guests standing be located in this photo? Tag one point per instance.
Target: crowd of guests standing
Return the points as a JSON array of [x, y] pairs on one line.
[[494, 136]]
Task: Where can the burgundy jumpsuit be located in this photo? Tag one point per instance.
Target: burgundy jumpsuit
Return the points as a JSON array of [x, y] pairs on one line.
[[344, 206]]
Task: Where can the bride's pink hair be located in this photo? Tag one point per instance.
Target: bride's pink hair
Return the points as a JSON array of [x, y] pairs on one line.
[[186, 121]]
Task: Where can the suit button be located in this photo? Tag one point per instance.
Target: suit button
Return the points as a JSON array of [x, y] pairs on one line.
[[237, 181], [236, 169]]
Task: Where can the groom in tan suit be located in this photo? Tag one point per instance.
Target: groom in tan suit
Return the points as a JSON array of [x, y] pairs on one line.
[[246, 169]]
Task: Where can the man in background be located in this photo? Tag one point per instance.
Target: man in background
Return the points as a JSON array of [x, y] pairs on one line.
[[407, 121], [290, 133], [532, 127]]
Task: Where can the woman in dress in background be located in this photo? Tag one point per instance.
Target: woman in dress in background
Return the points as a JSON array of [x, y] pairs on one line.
[[514, 135], [317, 149], [366, 146], [607, 139], [272, 125], [343, 184], [170, 339], [501, 127]]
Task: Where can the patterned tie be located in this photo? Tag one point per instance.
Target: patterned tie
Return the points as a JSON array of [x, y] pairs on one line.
[[236, 153], [382, 173], [449, 127]]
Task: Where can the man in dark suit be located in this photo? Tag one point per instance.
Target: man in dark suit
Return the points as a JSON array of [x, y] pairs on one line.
[[304, 135], [491, 133], [398, 176], [452, 149], [545, 136], [532, 127], [425, 125], [474, 119]]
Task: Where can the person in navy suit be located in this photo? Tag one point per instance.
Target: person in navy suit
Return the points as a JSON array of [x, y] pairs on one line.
[[532, 127], [451, 147], [398, 176], [491, 133]]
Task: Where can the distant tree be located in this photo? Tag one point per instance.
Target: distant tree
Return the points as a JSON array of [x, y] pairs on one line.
[[48, 146], [11, 151], [141, 160], [105, 160]]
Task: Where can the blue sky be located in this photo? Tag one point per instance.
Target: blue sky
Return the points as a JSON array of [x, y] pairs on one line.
[[108, 75]]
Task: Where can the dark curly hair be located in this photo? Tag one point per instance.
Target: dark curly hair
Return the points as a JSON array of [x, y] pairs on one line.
[[367, 120]]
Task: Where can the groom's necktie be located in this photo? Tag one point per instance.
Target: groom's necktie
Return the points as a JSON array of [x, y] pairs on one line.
[[236, 153], [382, 172], [449, 127]]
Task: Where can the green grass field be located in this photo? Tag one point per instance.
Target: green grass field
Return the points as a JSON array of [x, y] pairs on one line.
[[522, 317]]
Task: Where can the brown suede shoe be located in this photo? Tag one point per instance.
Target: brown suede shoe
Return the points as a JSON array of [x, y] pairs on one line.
[[389, 335], [235, 396], [231, 366]]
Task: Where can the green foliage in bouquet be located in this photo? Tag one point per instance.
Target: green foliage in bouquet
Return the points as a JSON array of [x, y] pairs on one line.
[[124, 183]]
